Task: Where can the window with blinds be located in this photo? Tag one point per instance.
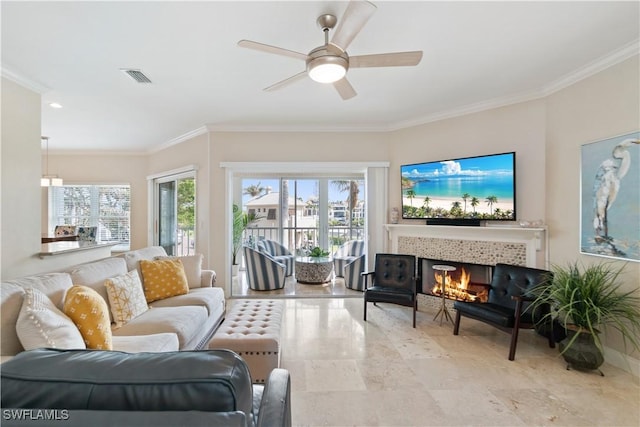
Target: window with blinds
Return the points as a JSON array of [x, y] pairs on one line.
[[105, 206]]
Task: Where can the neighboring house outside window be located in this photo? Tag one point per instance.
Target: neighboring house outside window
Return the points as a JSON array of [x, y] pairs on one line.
[[105, 206]]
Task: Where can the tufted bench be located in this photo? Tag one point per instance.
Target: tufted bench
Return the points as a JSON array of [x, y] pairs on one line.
[[252, 330]]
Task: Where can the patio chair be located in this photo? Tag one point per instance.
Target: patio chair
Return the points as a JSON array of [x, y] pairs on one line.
[[279, 253], [353, 277], [263, 272], [345, 254]]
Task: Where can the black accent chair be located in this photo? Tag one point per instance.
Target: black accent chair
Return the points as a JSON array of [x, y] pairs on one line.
[[393, 280], [509, 299]]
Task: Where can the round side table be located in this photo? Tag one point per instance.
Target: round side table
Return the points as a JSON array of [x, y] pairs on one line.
[[443, 312], [314, 270]]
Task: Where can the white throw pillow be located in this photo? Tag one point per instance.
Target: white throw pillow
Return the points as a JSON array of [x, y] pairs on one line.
[[41, 324], [126, 297], [192, 268]]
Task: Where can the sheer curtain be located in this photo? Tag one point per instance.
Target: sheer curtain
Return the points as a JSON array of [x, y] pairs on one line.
[[377, 179]]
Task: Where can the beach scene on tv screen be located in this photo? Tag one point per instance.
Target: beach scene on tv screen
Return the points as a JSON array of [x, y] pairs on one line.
[[471, 188]]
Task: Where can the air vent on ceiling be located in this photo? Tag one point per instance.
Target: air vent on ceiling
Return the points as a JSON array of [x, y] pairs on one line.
[[136, 75]]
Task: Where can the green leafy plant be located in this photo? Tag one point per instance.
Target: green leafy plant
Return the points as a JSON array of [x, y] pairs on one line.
[[241, 221], [587, 298], [318, 252]]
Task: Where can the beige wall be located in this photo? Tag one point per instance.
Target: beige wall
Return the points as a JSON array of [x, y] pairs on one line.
[[604, 105], [519, 128], [194, 152], [21, 169]]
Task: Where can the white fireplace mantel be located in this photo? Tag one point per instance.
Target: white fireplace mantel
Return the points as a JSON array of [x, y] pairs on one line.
[[532, 239]]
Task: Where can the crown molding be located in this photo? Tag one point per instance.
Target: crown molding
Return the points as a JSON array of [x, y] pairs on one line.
[[609, 60], [179, 139], [294, 128], [469, 109], [24, 81], [101, 153], [613, 58]]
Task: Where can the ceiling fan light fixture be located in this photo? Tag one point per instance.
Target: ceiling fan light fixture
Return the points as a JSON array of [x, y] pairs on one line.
[[327, 69]]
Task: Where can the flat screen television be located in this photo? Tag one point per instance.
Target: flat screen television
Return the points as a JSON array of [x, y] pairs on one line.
[[462, 191]]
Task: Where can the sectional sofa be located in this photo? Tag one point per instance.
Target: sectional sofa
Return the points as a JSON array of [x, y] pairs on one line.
[[183, 322], [152, 377]]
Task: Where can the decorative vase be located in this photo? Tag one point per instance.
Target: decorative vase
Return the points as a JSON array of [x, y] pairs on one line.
[[234, 269], [583, 354], [394, 216]]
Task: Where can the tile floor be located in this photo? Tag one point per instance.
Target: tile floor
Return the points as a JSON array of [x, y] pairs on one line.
[[293, 289], [347, 372]]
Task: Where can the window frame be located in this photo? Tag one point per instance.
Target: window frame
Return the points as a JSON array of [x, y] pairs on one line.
[[95, 216]]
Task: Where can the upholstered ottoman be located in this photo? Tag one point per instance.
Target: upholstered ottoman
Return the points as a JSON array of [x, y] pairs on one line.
[[252, 330]]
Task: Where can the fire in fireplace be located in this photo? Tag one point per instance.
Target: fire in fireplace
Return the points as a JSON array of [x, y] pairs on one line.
[[467, 283]]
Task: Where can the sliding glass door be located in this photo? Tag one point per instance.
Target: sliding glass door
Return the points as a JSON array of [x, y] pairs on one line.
[[302, 213], [175, 214]]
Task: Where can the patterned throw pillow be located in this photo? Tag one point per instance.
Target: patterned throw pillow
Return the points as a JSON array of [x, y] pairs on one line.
[[90, 313], [40, 324], [163, 279], [126, 297], [192, 268]]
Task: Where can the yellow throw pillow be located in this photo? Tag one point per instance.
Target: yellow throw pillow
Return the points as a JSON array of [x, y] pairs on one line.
[[90, 313], [163, 279], [126, 297]]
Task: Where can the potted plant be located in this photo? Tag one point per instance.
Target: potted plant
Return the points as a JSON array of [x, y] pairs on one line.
[[585, 299], [241, 221], [318, 252]]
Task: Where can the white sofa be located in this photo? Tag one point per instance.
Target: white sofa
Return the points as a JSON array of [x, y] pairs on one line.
[[183, 322]]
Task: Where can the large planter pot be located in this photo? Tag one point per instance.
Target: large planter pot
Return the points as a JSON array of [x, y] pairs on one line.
[[583, 354]]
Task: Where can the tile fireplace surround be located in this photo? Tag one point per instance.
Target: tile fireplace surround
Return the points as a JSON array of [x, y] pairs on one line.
[[477, 245]]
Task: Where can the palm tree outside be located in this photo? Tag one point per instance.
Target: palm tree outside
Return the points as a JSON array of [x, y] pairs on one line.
[[353, 190], [254, 190]]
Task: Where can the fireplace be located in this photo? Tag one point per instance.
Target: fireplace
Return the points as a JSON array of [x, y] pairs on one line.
[[466, 283], [452, 245]]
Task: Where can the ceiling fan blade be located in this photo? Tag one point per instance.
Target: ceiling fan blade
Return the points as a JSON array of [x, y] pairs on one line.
[[271, 49], [344, 88], [354, 19], [286, 82], [396, 59]]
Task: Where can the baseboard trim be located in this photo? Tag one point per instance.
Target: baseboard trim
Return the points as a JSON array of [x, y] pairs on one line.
[[622, 361]]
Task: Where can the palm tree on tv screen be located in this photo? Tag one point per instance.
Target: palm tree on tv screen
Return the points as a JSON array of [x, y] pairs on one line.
[[490, 201]]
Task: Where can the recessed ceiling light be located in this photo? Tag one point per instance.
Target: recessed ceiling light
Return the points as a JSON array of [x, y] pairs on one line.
[[54, 105]]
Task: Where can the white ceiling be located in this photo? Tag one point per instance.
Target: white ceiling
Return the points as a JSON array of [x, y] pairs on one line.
[[476, 55]]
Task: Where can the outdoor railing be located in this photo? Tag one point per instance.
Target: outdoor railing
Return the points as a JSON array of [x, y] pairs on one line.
[[300, 239]]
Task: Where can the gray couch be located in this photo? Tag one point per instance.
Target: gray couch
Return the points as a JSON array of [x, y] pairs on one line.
[[107, 388], [184, 322]]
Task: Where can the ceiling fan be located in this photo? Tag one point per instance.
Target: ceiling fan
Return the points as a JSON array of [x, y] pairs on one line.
[[329, 63]]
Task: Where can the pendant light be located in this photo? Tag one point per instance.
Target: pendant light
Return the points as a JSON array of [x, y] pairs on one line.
[[48, 180]]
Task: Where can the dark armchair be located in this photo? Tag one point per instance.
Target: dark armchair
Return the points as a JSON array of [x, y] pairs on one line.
[[509, 298], [393, 280]]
